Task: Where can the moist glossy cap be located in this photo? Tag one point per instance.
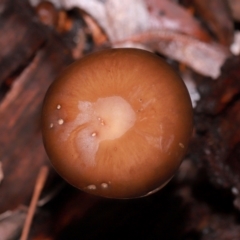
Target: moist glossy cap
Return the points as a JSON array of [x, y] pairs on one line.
[[117, 123]]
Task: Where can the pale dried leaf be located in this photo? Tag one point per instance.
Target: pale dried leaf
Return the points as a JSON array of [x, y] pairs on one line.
[[119, 19], [131, 22], [206, 59], [11, 223], [169, 15], [235, 46]]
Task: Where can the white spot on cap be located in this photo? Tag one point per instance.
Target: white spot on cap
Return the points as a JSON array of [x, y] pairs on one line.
[[94, 134], [104, 185], [60, 121], [58, 106], [101, 121], [91, 187], [51, 125], [181, 145]]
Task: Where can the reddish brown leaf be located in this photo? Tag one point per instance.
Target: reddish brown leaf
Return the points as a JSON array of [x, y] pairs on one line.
[[217, 16]]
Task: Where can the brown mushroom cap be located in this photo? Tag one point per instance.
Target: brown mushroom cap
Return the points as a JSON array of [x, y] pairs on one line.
[[117, 123]]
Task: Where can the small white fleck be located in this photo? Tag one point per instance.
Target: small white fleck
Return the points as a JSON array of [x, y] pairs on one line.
[[58, 106], [181, 145], [51, 125], [235, 191], [101, 121], [92, 187], [94, 134], [104, 185], [60, 121]]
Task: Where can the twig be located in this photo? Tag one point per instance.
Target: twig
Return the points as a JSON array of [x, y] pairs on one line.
[[42, 176], [1, 172]]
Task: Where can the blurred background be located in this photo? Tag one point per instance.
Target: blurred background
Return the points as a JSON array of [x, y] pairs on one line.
[[200, 39]]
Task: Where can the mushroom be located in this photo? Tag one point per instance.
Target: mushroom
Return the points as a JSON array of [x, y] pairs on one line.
[[117, 123]]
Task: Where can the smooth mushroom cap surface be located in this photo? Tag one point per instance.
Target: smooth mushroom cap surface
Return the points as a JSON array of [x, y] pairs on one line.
[[117, 123]]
